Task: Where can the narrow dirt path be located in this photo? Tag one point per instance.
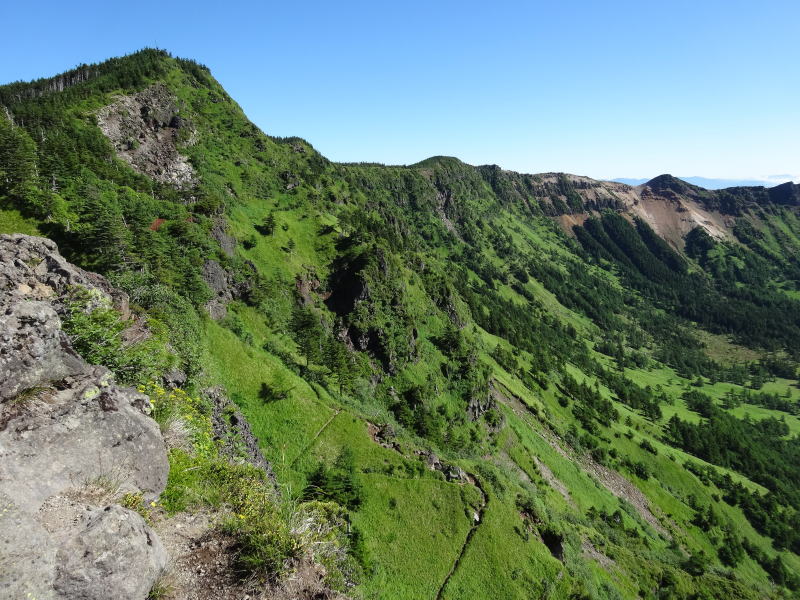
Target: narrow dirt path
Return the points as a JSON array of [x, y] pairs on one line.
[[372, 429], [484, 501], [313, 441]]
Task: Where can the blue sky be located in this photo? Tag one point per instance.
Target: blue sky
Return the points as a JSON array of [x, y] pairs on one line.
[[606, 89]]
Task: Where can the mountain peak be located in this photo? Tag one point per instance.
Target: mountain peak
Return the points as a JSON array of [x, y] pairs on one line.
[[669, 182], [439, 160], [664, 181]]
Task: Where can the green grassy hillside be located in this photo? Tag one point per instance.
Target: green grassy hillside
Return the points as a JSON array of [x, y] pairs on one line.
[[611, 413]]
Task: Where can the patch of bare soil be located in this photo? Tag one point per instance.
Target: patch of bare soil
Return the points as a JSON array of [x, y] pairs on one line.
[[622, 488], [589, 551], [672, 216], [553, 481], [567, 222], [612, 481], [200, 563], [502, 395], [504, 460], [554, 442], [201, 567], [305, 583], [522, 411]]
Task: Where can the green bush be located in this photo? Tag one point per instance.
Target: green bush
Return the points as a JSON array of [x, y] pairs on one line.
[[337, 484], [96, 329], [278, 389], [270, 532]]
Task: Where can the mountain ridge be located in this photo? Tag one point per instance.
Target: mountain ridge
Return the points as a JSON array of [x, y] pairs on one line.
[[492, 384], [712, 183]]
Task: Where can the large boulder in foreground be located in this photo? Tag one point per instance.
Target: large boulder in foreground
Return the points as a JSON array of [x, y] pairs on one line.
[[96, 563], [72, 443]]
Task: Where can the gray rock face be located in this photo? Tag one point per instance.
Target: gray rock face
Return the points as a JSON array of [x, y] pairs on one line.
[[224, 287], [27, 554], [232, 429], [451, 472], [32, 348], [145, 129], [32, 269], [174, 379], [220, 233], [71, 443], [115, 555], [218, 280], [479, 405], [84, 429]]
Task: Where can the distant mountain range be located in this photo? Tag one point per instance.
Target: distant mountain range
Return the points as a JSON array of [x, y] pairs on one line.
[[718, 184]]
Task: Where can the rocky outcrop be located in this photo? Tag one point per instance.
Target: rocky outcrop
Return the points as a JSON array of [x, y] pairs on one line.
[[98, 561], [221, 284], [224, 287], [669, 206], [219, 231], [72, 442], [232, 430], [450, 471], [145, 129], [32, 348], [478, 405], [31, 267]]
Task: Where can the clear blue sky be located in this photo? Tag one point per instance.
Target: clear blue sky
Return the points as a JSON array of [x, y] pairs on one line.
[[606, 89]]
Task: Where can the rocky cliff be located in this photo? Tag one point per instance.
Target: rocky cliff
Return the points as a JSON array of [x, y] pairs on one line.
[[72, 443], [78, 452]]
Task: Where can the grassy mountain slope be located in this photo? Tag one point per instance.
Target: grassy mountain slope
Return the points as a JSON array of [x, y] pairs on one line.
[[604, 378]]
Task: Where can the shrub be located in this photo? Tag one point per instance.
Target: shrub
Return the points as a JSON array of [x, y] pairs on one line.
[[638, 468], [95, 330], [192, 411], [696, 564], [647, 446], [358, 550], [269, 532], [278, 389], [338, 484]]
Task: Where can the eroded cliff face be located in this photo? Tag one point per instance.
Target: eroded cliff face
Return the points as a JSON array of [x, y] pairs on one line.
[[145, 129], [672, 208], [72, 443]]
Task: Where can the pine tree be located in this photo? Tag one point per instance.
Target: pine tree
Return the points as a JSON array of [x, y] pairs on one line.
[[18, 172], [268, 225]]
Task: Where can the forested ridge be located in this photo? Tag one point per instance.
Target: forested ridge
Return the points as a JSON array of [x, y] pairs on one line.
[[535, 378]]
